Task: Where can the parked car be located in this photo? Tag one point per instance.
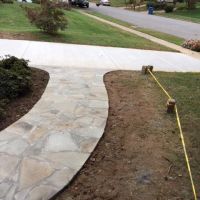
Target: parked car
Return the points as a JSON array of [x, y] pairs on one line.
[[105, 2], [80, 3]]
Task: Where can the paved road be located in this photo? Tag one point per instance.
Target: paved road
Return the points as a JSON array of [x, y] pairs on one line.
[[187, 30]]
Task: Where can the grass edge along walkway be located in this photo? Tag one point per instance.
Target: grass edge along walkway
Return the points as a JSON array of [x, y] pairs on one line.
[[146, 36]]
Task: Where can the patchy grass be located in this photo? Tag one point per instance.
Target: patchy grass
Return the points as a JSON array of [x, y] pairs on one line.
[[185, 88], [188, 15], [163, 36]]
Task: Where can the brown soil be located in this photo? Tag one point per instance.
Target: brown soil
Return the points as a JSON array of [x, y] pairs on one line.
[[20, 106], [17, 36], [139, 156], [37, 36]]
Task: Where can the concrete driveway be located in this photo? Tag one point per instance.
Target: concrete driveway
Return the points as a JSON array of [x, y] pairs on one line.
[[183, 29]]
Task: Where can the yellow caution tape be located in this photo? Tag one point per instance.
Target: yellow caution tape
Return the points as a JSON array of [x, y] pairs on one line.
[[181, 135]]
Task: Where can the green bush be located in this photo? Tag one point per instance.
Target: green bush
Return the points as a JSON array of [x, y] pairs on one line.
[[49, 18], [8, 1], [169, 8], [15, 80], [15, 77]]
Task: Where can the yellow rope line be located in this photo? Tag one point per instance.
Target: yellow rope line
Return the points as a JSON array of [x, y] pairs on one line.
[[182, 137], [160, 85], [185, 152]]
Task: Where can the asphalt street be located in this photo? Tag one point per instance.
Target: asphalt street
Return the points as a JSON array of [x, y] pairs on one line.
[[183, 29]]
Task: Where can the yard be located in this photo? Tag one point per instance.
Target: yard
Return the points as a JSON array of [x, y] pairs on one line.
[[81, 30], [140, 155]]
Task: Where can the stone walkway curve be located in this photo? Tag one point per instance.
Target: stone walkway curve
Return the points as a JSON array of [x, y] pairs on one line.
[[41, 152]]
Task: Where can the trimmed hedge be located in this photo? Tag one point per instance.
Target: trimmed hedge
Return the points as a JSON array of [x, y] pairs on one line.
[[15, 80]]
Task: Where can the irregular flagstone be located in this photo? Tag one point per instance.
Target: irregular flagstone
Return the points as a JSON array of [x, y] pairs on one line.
[[72, 160], [8, 165], [60, 177], [41, 152], [60, 142], [4, 187], [33, 171], [43, 191], [15, 147]]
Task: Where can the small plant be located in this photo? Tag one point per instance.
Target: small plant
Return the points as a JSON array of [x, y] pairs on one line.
[[49, 18], [192, 44], [169, 8], [14, 77], [15, 80]]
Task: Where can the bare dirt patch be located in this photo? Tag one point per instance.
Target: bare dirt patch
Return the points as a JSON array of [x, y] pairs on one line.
[[140, 155], [20, 106], [17, 36]]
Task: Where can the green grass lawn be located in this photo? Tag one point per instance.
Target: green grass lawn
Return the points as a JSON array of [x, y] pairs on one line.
[[188, 15], [185, 88], [81, 30], [13, 19], [163, 36], [119, 3]]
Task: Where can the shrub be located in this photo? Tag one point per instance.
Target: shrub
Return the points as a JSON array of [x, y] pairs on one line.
[[49, 18], [169, 8], [7, 1], [192, 44], [15, 78]]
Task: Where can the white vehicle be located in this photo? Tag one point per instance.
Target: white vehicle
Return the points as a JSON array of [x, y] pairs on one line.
[[105, 2]]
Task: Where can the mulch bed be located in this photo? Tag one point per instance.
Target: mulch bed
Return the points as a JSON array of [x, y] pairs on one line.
[[20, 106], [139, 156]]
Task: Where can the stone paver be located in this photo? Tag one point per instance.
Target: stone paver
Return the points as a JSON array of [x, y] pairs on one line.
[[41, 152]]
